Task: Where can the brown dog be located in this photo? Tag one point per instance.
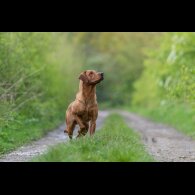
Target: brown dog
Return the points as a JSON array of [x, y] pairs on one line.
[[84, 109]]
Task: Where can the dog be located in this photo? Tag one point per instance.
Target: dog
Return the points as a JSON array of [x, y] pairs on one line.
[[85, 108]]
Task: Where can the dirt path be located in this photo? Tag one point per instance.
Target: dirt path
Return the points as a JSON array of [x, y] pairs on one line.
[[164, 143], [27, 152]]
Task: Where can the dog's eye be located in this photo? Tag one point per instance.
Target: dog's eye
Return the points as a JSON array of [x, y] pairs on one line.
[[90, 73]]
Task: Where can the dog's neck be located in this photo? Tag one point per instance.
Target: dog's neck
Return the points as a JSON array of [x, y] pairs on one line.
[[86, 93]]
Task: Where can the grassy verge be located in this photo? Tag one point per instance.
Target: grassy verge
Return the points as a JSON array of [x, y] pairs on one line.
[[114, 142], [23, 130], [181, 117]]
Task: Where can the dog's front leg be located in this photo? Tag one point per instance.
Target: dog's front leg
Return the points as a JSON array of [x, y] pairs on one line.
[[83, 129], [79, 121], [92, 127]]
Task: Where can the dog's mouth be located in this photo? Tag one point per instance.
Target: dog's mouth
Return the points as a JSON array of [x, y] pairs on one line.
[[101, 78], [97, 81]]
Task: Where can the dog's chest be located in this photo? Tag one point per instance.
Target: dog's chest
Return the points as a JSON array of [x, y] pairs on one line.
[[86, 114]]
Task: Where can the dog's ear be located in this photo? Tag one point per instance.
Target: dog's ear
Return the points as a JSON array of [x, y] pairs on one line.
[[83, 77]]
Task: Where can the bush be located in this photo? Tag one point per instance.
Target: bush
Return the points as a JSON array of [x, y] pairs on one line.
[[38, 74], [166, 88], [169, 71]]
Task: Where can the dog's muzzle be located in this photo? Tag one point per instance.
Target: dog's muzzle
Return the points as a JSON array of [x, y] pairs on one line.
[[102, 75]]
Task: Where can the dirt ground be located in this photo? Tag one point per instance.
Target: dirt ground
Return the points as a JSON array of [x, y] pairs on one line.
[[27, 152], [164, 143]]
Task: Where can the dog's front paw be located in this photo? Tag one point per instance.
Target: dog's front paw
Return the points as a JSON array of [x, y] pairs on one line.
[[65, 131]]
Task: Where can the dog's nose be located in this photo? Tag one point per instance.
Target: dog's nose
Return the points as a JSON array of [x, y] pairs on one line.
[[101, 73]]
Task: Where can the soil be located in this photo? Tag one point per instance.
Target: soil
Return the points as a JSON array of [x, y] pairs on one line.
[[164, 143], [27, 152]]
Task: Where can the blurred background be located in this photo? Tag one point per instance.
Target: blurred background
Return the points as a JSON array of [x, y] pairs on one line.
[[146, 72]]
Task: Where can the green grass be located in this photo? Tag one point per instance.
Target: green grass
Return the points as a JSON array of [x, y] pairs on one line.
[[115, 142], [23, 130], [179, 116]]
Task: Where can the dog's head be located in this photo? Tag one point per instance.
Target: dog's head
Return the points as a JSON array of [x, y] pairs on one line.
[[91, 77]]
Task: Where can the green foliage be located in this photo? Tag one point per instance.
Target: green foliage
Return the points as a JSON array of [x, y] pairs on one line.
[[115, 142], [39, 77], [119, 55], [38, 74], [169, 72], [166, 88]]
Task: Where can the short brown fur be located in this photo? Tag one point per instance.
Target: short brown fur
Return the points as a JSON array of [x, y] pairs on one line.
[[84, 109]]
